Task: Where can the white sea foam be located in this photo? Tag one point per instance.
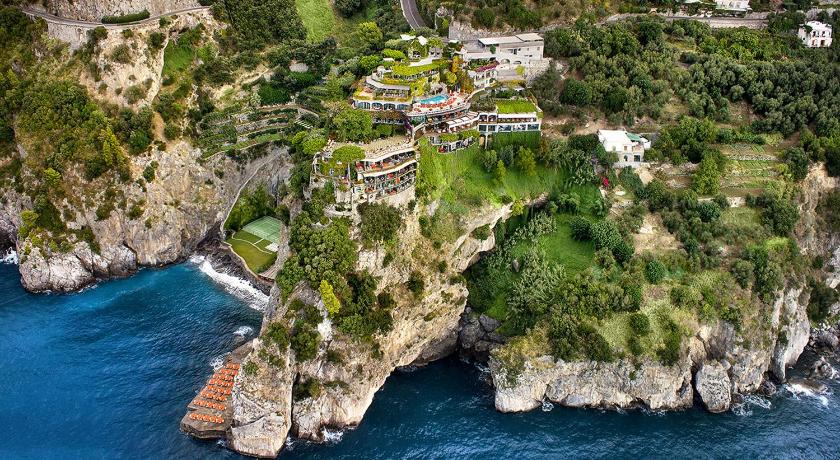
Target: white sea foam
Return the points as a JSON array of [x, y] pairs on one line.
[[745, 407], [217, 362], [482, 368], [798, 391], [243, 331], [332, 436], [10, 257], [234, 285], [547, 406]]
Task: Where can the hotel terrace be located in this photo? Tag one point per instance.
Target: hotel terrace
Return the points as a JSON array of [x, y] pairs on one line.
[[412, 93], [366, 172]]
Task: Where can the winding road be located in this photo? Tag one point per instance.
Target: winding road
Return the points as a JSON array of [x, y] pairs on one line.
[[51, 18], [412, 14]]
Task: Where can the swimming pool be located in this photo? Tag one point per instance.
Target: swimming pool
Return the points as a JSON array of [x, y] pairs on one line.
[[440, 98]]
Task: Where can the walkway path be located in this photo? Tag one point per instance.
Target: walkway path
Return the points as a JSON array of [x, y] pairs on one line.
[[53, 19], [412, 14]]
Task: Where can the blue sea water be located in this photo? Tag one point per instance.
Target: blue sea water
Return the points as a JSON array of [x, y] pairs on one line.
[[106, 373]]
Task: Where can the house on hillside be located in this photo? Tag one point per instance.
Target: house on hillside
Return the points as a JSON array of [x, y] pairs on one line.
[[815, 34], [733, 5], [528, 45], [629, 147]]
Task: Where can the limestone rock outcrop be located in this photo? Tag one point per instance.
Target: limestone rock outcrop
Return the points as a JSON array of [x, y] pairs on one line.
[[181, 207], [94, 10], [620, 384], [351, 373], [713, 386]]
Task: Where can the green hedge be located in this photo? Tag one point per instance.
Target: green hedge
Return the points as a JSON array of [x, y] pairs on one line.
[[126, 18]]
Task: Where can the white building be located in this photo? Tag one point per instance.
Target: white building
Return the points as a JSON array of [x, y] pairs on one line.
[[815, 34], [733, 5], [629, 147], [528, 45]]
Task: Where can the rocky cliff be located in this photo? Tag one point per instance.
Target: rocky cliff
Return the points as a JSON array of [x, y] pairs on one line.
[[719, 361], [350, 374], [91, 10], [180, 207]]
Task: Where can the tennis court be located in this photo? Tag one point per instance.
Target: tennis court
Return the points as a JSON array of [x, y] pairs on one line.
[[257, 242], [266, 228]]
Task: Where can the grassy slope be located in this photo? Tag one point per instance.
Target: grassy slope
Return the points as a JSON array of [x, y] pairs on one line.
[[574, 256], [177, 56], [318, 18]]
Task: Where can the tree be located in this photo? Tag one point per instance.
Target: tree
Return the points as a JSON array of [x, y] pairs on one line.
[[654, 271], [348, 8], [499, 172], [380, 222], [353, 125], [576, 92], [706, 179], [525, 161], [367, 36], [797, 162], [331, 303]]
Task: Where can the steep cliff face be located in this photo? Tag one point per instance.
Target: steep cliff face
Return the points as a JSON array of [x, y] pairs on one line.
[[727, 364], [180, 207], [620, 384], [94, 10], [423, 329]]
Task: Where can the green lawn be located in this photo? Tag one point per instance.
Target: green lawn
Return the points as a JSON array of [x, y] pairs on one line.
[[318, 18], [558, 246], [177, 56], [515, 106], [252, 249]]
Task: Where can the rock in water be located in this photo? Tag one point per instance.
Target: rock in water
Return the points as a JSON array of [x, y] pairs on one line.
[[713, 385], [827, 339]]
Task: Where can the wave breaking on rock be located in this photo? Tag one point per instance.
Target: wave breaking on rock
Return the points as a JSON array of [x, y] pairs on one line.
[[239, 287]]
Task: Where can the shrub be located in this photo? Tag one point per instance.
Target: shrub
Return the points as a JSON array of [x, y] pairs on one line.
[[635, 345], [821, 300], [669, 354], [742, 271], [305, 341], [156, 40], [797, 161], [639, 324], [416, 284], [580, 228], [605, 234], [308, 389], [277, 334], [654, 271], [709, 211], [482, 233], [250, 368], [623, 252], [121, 54]]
